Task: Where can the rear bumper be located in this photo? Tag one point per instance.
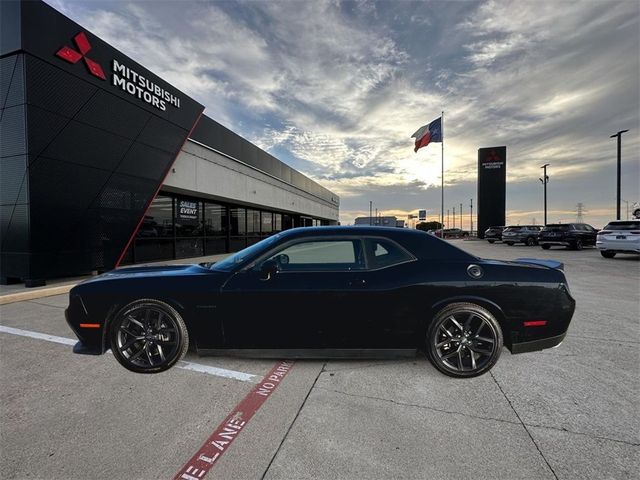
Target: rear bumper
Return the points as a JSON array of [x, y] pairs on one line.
[[544, 241], [619, 246], [536, 345]]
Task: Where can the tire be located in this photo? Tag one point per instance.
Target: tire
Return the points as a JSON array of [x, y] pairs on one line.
[[530, 242], [577, 245], [509, 243], [491, 241], [607, 253], [145, 325], [457, 357], [545, 246]]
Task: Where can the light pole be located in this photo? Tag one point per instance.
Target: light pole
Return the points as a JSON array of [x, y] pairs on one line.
[[460, 215], [471, 214], [619, 135], [370, 212], [447, 218], [454, 217], [545, 180]]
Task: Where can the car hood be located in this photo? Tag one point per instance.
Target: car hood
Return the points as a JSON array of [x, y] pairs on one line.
[[150, 271]]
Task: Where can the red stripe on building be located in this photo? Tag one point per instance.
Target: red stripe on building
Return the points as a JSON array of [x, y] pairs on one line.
[[224, 435]]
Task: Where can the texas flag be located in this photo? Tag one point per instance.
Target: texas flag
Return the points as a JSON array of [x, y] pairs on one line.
[[428, 133]]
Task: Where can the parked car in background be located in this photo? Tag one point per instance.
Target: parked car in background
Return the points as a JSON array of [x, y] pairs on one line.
[[454, 233], [527, 234], [571, 235], [493, 234], [619, 236]]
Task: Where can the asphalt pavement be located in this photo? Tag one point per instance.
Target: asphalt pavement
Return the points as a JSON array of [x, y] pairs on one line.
[[566, 413]]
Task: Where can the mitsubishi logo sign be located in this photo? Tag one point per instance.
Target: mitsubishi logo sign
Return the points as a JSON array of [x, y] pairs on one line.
[[73, 56], [125, 78]]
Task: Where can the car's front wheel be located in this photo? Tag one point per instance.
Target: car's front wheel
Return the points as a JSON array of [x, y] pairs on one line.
[[464, 340], [577, 245], [148, 336], [531, 242], [607, 253]]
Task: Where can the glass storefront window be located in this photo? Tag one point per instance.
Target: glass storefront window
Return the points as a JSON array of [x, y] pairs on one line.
[[266, 226], [158, 222], [215, 220], [238, 221], [253, 222], [277, 222]]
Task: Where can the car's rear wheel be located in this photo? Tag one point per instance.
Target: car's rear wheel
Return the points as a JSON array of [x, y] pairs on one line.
[[545, 246], [531, 242], [607, 253], [148, 336], [464, 340], [577, 245]]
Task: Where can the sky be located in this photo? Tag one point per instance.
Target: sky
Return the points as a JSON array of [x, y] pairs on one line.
[[336, 89]]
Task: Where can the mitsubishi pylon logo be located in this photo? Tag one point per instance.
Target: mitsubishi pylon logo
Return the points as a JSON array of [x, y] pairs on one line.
[[73, 56]]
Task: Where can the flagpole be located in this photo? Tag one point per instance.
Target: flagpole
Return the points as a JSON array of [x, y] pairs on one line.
[[442, 178]]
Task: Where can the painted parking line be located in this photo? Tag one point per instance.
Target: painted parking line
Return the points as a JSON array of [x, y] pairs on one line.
[[224, 435], [194, 367]]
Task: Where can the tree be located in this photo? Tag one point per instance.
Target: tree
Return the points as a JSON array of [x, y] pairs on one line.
[[429, 226]]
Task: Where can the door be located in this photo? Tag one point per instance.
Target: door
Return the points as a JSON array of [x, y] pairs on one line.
[[296, 307]]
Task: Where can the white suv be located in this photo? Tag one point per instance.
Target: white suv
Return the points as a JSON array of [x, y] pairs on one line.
[[619, 236]]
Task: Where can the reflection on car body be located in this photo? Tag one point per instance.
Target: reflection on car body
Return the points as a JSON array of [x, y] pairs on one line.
[[326, 292]]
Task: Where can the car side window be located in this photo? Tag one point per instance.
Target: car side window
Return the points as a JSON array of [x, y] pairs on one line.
[[383, 253], [326, 255]]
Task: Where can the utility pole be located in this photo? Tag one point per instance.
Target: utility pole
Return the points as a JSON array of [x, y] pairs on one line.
[[447, 218], [545, 180], [454, 217], [619, 136], [370, 212], [471, 213], [376, 222], [461, 215]]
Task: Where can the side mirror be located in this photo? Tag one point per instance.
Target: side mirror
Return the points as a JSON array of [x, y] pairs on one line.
[[268, 269]]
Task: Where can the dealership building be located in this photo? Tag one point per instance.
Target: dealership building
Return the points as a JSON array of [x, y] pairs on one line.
[[103, 163]]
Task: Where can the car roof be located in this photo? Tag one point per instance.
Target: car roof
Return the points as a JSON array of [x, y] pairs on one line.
[[421, 244]]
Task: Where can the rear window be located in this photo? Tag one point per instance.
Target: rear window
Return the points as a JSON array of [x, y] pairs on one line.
[[562, 228], [384, 253], [513, 229], [630, 225]]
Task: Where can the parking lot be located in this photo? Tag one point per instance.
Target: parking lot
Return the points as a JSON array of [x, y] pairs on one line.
[[570, 412]]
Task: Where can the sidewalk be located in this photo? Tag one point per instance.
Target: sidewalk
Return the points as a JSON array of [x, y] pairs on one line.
[[58, 286]]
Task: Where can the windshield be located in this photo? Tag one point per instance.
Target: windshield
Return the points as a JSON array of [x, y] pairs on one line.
[[237, 258], [512, 229], [630, 225]]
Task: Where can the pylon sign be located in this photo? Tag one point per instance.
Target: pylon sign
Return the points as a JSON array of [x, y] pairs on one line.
[[492, 183]]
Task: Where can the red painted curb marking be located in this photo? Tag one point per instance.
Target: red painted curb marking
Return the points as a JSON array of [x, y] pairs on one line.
[[224, 435]]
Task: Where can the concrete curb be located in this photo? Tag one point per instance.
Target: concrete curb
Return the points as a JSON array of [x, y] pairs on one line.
[[32, 295]]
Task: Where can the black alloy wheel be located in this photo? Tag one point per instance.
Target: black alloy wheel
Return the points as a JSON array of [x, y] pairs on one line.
[[545, 246], [531, 242], [464, 340], [577, 245], [148, 336], [607, 253]]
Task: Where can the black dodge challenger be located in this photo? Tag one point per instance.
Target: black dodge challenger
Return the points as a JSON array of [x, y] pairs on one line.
[[327, 292]]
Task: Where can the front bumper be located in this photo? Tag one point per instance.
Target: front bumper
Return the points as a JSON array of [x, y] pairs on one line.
[[91, 340]]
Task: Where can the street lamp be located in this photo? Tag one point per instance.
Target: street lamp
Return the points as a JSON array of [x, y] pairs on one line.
[[545, 180], [619, 136]]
